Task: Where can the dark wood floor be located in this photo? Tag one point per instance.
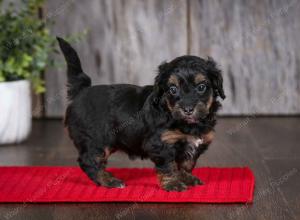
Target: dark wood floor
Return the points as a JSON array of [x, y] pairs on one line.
[[270, 146]]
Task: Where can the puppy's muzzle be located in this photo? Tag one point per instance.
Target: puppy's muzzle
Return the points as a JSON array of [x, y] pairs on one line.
[[188, 110]]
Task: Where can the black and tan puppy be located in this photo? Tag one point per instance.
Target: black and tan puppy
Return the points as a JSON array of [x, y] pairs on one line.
[[171, 123]]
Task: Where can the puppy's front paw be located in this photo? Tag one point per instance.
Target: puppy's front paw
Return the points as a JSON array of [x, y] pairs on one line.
[[190, 179], [171, 182], [106, 179], [113, 183], [174, 186]]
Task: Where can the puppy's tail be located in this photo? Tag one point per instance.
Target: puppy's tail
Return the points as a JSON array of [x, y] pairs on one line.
[[77, 79]]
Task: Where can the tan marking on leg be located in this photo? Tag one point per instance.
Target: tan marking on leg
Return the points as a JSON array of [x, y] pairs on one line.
[[172, 136], [103, 176], [104, 156], [185, 172], [207, 138], [170, 181], [189, 179], [171, 175], [106, 179], [165, 179], [187, 165]]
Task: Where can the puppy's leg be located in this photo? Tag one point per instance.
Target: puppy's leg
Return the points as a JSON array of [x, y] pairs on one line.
[[94, 164], [169, 177], [186, 162], [167, 172], [185, 170]]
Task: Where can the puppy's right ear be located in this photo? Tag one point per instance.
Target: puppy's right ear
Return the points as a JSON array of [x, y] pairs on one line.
[[158, 90], [215, 75]]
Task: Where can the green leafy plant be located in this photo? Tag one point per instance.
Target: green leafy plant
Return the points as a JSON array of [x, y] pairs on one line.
[[25, 44]]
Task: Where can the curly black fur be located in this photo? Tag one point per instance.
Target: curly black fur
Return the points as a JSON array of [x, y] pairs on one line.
[[104, 118]]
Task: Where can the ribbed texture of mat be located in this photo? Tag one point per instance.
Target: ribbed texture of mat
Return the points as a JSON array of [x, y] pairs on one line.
[[70, 184]]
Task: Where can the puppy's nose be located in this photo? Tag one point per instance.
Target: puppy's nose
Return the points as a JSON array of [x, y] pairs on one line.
[[188, 110]]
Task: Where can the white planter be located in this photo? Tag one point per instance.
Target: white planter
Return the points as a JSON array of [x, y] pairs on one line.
[[15, 111]]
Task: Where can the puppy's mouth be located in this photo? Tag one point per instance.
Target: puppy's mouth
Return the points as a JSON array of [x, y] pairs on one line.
[[189, 115], [191, 120], [194, 119]]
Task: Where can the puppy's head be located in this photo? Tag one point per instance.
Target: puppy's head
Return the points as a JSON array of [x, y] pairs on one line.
[[187, 87]]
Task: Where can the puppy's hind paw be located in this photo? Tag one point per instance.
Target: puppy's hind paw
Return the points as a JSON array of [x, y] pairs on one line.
[[114, 183], [175, 186], [106, 179]]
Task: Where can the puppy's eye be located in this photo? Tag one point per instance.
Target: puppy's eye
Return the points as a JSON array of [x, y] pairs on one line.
[[201, 88], [173, 90]]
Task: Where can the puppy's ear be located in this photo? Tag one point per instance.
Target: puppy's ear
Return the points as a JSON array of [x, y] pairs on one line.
[[158, 90], [215, 76]]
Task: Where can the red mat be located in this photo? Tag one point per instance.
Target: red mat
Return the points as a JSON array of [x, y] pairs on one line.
[[70, 184]]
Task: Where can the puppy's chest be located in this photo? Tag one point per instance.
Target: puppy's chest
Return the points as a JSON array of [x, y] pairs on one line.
[[175, 136]]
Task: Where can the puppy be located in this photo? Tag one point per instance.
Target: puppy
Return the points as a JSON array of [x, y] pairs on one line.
[[171, 122]]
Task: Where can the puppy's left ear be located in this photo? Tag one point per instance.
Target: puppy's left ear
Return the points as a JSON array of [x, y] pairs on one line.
[[215, 76]]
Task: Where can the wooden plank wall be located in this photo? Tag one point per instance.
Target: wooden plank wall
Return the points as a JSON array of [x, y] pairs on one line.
[[257, 45], [255, 42]]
